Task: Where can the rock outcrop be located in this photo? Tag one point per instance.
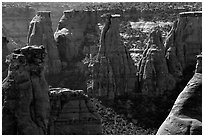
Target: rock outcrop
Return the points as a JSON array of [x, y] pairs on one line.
[[115, 74], [76, 36], [41, 33], [185, 117], [184, 42], [25, 93], [154, 76], [72, 113]]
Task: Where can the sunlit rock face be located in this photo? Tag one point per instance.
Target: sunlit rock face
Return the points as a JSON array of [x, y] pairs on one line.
[[154, 76], [185, 117], [73, 113], [115, 73], [25, 93], [41, 33], [184, 42]]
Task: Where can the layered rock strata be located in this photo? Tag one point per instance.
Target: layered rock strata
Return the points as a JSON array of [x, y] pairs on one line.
[[185, 117], [41, 33], [73, 113], [25, 93]]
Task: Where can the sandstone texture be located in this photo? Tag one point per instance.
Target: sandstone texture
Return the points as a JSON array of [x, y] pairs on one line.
[[25, 93], [115, 74], [41, 33], [72, 112], [184, 42], [154, 76], [185, 117]]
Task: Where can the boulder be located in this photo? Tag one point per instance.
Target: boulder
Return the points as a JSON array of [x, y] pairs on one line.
[[25, 93], [72, 112], [185, 117], [184, 42], [41, 33], [115, 74], [154, 76]]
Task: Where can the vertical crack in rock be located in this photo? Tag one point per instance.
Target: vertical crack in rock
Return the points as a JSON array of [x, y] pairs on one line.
[[25, 93], [41, 33], [186, 115]]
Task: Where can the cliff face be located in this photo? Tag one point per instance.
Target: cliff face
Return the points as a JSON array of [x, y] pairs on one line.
[[115, 74], [25, 93], [40, 33], [184, 41], [185, 117], [72, 113]]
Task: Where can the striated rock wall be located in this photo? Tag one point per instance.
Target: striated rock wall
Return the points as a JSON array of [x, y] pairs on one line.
[[72, 113], [25, 93], [154, 76], [185, 117], [115, 74], [41, 33], [184, 42]]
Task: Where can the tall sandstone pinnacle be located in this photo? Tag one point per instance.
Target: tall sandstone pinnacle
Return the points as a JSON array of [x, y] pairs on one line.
[[76, 36], [154, 76], [115, 74], [184, 42], [25, 93], [41, 33], [185, 117]]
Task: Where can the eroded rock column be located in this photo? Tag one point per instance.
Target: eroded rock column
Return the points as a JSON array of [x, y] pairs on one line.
[[115, 72], [41, 33], [77, 38], [184, 42], [154, 76], [25, 93]]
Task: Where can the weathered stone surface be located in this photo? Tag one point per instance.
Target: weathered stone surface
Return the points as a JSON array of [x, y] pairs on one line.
[[115, 72], [185, 117], [154, 76], [184, 41], [72, 113], [41, 33], [76, 36], [25, 93]]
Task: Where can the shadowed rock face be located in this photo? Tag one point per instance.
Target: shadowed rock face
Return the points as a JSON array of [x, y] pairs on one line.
[[76, 36], [185, 117], [115, 74], [41, 33], [154, 76], [184, 42], [73, 113], [25, 93]]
